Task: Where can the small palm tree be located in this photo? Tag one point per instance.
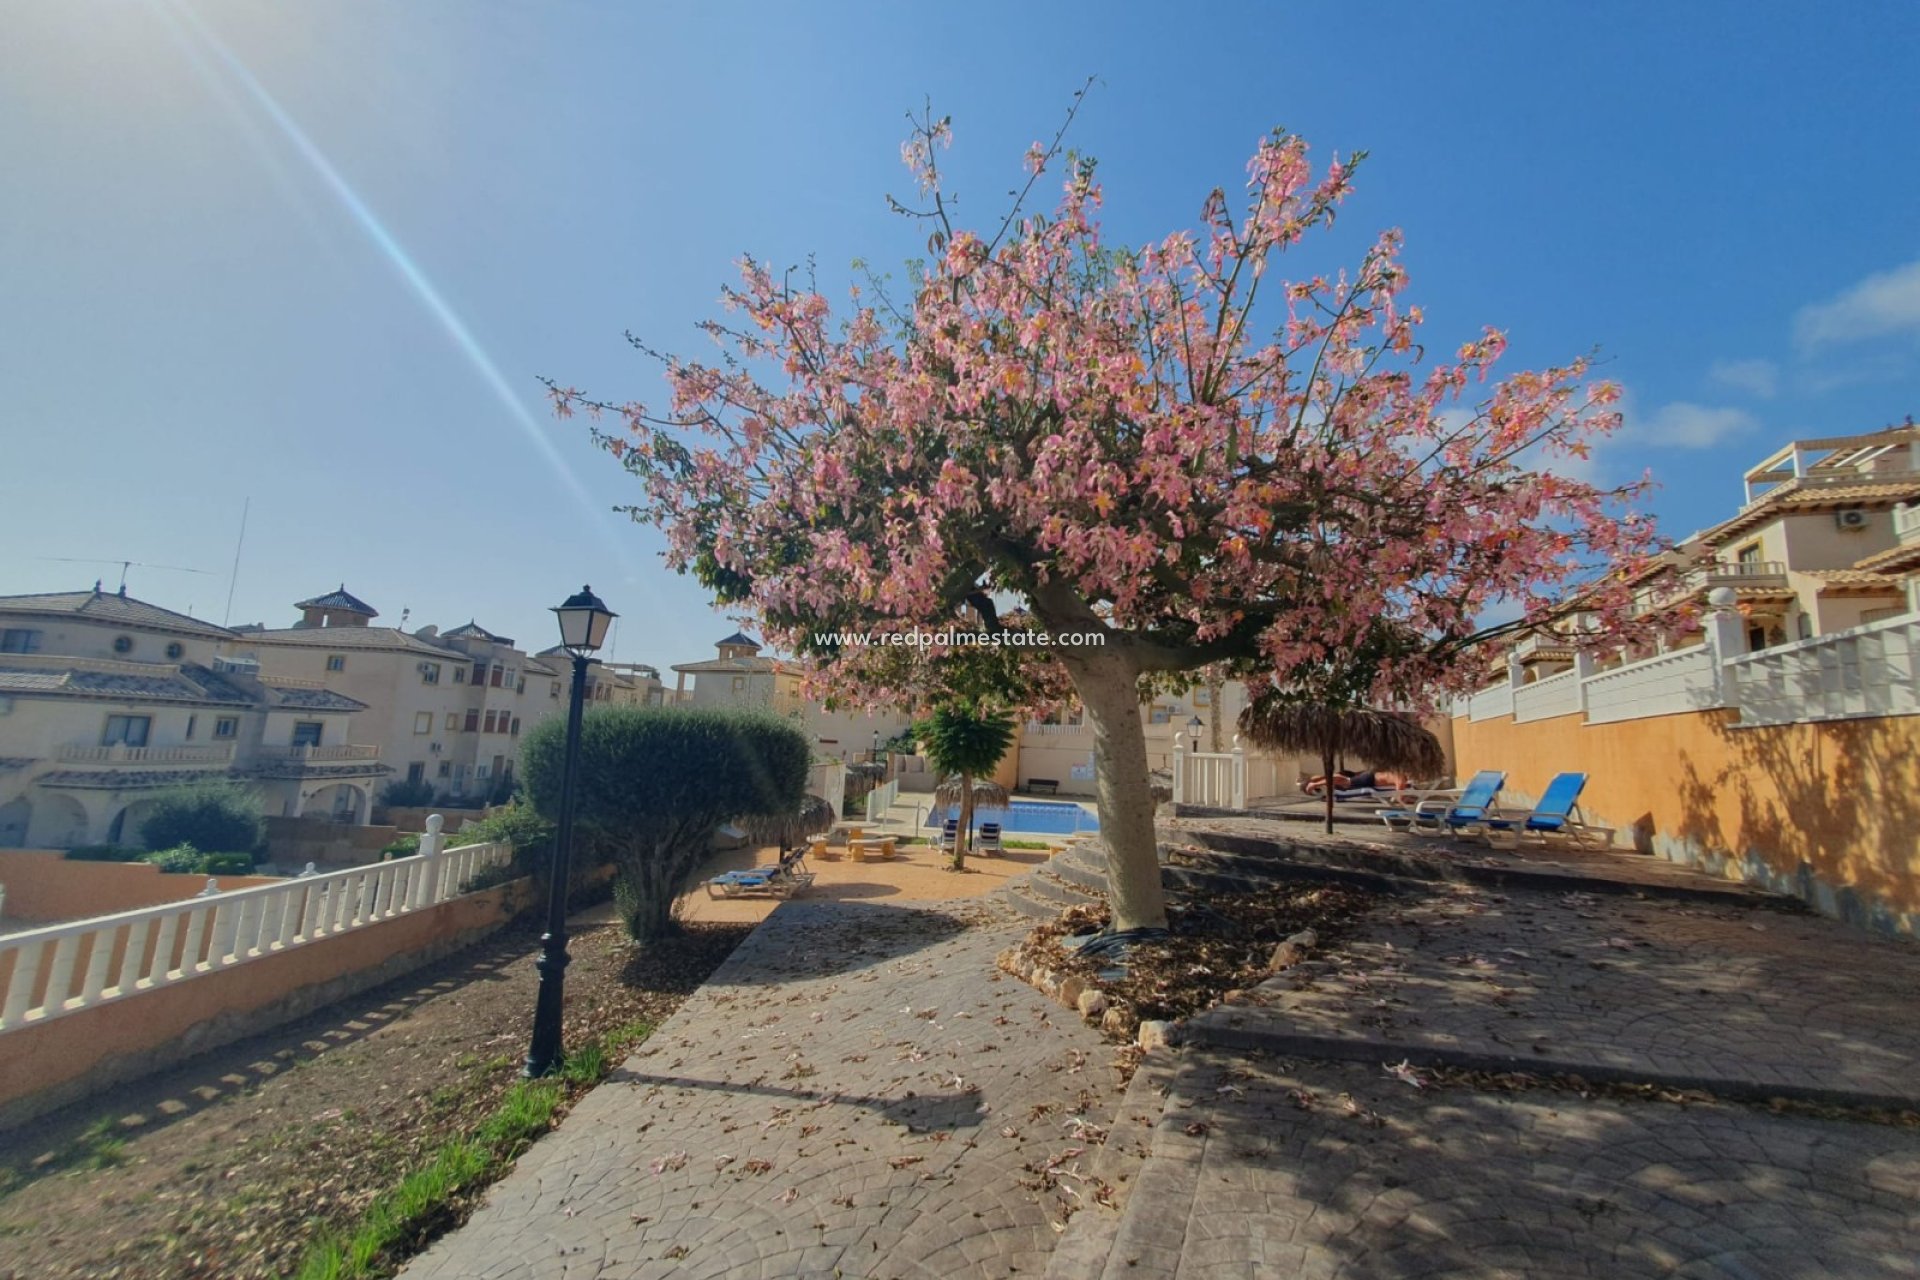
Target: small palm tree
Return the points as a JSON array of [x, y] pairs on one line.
[[964, 740]]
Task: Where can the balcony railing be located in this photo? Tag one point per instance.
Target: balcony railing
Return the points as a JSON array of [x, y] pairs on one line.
[[121, 754], [1767, 574], [318, 755]]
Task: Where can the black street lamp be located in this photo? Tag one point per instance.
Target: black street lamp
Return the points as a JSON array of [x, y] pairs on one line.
[[875, 757], [584, 619]]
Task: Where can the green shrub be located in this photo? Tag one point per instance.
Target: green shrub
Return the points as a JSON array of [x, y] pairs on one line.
[[404, 847], [226, 864], [104, 853], [207, 815], [403, 793], [182, 859], [654, 783]]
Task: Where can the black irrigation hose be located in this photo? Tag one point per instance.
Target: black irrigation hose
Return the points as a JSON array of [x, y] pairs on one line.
[[1109, 943]]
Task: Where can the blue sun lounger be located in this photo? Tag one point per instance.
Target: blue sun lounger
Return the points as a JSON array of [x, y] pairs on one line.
[[1556, 817], [1467, 812], [782, 880]]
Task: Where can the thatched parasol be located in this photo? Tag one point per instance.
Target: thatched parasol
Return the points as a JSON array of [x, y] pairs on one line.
[[1384, 739], [987, 794], [788, 829]]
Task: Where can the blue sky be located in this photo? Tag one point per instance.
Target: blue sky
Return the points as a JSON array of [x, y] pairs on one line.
[[318, 255]]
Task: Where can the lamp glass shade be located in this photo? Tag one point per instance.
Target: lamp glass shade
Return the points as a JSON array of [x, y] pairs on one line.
[[584, 620], [1195, 723]]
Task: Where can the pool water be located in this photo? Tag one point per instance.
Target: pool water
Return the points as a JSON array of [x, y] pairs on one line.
[[1038, 817]]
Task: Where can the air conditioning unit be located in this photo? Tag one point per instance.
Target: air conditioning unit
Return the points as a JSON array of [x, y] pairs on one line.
[[1851, 518]]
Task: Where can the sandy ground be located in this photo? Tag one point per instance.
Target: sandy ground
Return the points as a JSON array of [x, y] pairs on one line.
[[917, 873]]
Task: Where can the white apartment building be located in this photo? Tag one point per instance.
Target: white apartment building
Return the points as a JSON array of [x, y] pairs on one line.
[[105, 700], [740, 677]]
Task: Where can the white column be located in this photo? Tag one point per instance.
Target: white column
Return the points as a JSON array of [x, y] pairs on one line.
[[1584, 668], [426, 890], [1179, 768], [1239, 774], [1726, 638]]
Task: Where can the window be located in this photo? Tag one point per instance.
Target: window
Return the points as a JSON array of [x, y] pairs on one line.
[[417, 772], [1161, 715], [473, 722], [453, 722], [555, 691], [459, 675], [489, 728], [174, 650], [1748, 555], [306, 733], [429, 673], [22, 640], [520, 685], [191, 722], [445, 770], [739, 684], [422, 723], [226, 727], [1202, 697], [123, 644], [336, 662], [499, 675], [126, 731], [515, 730]]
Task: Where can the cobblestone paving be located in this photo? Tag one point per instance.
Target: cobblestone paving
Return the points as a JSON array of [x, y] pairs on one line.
[[857, 1092], [1758, 1001], [1262, 1169]]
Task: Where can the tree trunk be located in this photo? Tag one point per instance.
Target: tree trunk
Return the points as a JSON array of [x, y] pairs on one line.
[[1216, 687], [1108, 684], [1327, 754], [965, 828]]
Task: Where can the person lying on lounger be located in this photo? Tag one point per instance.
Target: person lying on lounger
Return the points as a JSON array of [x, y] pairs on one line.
[[1365, 780]]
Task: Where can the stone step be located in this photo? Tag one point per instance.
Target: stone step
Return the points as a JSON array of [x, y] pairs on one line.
[[1070, 893], [1203, 868], [1025, 900], [1086, 1246]]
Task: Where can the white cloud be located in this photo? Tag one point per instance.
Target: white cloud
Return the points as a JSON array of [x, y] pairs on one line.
[[1755, 377], [1882, 304], [1681, 425]]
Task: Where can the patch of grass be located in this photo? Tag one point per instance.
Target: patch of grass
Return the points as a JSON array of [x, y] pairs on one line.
[[429, 1198]]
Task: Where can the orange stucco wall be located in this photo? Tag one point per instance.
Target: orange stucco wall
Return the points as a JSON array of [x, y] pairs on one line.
[[1829, 812], [122, 1038], [43, 886]]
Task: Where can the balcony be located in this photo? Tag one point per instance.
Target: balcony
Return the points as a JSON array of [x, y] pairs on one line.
[[1906, 523], [121, 754], [1750, 575], [341, 754]]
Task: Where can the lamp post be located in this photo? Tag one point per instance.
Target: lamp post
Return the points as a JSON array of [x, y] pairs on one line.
[[1194, 725], [584, 619], [875, 757]]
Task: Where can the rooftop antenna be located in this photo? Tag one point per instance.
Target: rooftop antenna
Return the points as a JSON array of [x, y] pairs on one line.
[[124, 566], [234, 576]]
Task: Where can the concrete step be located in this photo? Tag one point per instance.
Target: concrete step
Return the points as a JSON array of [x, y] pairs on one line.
[[1086, 1247], [1069, 893], [1028, 902]]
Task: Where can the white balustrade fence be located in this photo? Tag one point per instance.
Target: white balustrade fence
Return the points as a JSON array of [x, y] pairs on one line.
[[1667, 685], [65, 968], [1215, 779], [1489, 703], [1543, 699], [1873, 670]]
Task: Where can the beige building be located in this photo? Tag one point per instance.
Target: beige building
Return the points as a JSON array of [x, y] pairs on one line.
[[739, 676], [106, 700], [445, 708]]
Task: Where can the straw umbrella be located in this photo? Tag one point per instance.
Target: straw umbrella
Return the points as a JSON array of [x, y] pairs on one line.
[[789, 829], [1384, 739], [983, 793]]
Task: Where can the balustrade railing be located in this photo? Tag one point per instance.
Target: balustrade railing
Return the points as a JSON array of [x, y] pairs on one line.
[[1557, 695], [1873, 670], [120, 753], [62, 969], [1215, 779], [343, 751]]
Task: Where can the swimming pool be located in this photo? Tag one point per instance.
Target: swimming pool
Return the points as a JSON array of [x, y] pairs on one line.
[[1038, 817]]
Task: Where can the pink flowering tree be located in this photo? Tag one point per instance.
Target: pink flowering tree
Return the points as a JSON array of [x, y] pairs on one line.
[[1170, 455]]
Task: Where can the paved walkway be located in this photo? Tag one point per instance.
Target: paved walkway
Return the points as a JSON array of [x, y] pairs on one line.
[[1739, 1001], [856, 1092], [1262, 1169]]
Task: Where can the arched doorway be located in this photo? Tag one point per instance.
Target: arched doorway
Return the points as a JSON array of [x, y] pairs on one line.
[[125, 827], [16, 815], [59, 822]]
